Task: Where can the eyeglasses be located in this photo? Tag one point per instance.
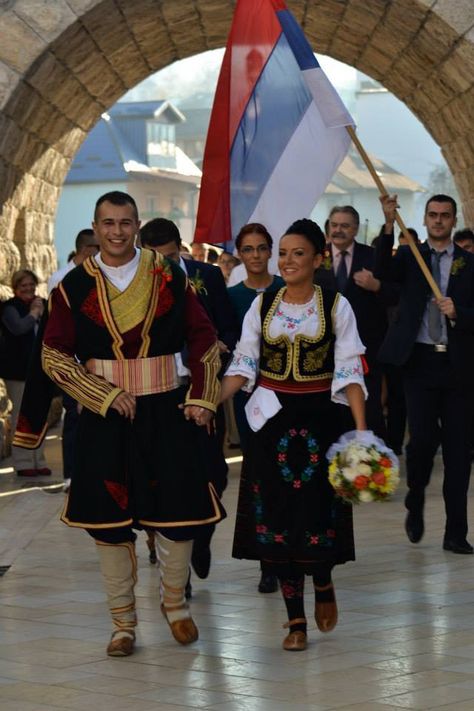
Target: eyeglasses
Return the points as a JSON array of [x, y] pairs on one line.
[[261, 249]]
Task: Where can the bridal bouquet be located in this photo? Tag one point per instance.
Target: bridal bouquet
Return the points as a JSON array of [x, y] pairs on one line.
[[362, 468]]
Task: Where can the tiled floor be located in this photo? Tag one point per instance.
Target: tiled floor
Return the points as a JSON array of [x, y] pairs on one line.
[[405, 638]]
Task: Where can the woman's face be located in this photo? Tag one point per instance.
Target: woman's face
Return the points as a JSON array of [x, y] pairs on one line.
[[297, 260], [25, 289], [254, 253]]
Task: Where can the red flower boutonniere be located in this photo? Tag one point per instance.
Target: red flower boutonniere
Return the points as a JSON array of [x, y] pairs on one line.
[[163, 270]]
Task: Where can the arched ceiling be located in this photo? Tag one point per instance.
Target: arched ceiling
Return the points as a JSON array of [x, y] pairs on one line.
[[62, 63]]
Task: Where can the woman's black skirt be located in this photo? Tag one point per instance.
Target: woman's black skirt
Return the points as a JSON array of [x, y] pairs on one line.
[[288, 515]]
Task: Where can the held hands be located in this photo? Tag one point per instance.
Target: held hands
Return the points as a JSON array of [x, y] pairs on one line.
[[200, 415], [366, 280], [222, 347]]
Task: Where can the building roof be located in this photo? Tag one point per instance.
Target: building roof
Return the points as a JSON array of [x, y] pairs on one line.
[[117, 146], [352, 174]]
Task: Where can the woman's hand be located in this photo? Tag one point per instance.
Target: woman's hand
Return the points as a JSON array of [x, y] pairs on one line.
[[37, 307]]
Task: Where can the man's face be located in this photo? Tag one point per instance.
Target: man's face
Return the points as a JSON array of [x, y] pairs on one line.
[[439, 221], [87, 250], [466, 244], [199, 252], [342, 229], [170, 250], [116, 227]]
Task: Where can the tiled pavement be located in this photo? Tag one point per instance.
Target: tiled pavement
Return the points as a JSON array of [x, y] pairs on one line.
[[405, 639]]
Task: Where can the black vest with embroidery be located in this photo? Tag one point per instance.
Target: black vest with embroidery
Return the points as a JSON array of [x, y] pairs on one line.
[[309, 359], [97, 336]]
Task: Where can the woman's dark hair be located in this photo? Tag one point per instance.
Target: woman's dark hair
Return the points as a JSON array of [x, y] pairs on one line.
[[311, 230], [251, 229]]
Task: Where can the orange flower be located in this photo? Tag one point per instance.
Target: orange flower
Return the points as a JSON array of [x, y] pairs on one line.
[[361, 482], [379, 478]]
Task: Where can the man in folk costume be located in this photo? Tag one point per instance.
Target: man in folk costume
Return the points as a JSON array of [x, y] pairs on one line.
[[115, 323]]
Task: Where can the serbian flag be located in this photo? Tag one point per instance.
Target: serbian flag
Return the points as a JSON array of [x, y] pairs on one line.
[[277, 129]]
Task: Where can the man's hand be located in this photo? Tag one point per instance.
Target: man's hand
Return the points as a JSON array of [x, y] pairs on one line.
[[222, 347], [125, 404], [36, 308], [447, 308], [200, 415], [366, 280], [389, 206]]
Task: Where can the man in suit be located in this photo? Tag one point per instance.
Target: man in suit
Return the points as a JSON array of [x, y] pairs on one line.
[[433, 339], [348, 268], [163, 236]]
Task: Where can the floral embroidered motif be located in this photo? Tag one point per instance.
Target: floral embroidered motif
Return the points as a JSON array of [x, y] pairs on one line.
[[289, 321], [90, 307], [346, 372], [198, 282], [457, 265], [282, 457], [320, 539], [314, 360], [240, 358], [118, 492], [165, 301], [264, 534], [274, 359]]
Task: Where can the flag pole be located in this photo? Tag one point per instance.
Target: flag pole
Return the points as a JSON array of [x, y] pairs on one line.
[[411, 242]]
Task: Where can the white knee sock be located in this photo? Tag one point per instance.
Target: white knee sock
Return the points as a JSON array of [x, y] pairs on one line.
[[175, 557]]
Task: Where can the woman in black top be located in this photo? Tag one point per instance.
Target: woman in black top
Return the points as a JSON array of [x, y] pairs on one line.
[[20, 318]]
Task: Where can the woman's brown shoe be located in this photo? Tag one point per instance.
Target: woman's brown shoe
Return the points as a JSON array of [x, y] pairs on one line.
[[295, 641], [184, 631], [325, 611], [121, 646]]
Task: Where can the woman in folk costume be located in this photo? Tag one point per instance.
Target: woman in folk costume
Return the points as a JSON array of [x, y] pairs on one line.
[[301, 349], [116, 322]]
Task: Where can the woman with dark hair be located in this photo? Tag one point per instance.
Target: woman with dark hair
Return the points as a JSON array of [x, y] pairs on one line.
[[20, 319], [300, 347]]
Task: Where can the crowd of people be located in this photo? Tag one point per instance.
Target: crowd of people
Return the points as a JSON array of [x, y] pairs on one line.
[[162, 349]]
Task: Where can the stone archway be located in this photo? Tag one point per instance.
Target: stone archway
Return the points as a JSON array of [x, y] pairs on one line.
[[63, 63]]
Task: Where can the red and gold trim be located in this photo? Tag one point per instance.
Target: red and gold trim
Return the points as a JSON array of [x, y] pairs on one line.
[[29, 440], [209, 396], [93, 269], [217, 516], [295, 387]]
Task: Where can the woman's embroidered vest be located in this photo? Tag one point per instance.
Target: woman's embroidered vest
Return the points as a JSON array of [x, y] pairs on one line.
[[309, 359], [159, 332]]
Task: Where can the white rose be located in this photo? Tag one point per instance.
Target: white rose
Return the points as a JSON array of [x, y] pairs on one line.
[[364, 469], [350, 473], [365, 496]]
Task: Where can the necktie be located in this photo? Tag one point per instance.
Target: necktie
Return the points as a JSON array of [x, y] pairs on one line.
[[341, 274], [434, 314]]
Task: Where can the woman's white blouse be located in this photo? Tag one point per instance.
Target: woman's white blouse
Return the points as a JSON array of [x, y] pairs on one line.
[[293, 319]]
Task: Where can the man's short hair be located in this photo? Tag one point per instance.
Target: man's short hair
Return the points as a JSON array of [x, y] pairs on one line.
[[463, 235], [158, 232], [84, 239], [116, 197], [442, 198], [349, 210]]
